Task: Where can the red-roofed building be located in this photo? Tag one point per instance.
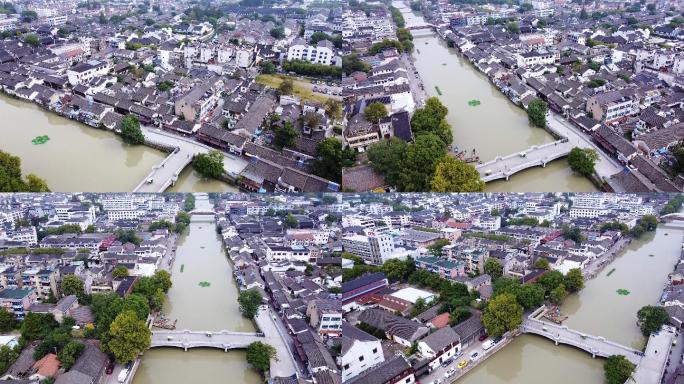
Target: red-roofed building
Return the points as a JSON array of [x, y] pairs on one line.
[[440, 321]]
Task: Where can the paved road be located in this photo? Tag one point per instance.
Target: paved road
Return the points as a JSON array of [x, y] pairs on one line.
[[415, 82], [285, 365], [187, 339], [675, 360], [606, 166], [596, 266], [652, 365]]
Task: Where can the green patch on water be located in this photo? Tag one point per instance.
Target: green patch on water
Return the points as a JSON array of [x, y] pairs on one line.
[[439, 92], [474, 102], [623, 292], [40, 139], [204, 284], [651, 255], [182, 267], [610, 272]]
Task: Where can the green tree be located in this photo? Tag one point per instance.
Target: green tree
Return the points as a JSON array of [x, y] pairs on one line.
[[436, 247], [70, 353], [73, 285], [11, 179], [530, 296], [290, 221], [120, 271], [649, 222], [387, 158], [209, 165], [536, 112], [37, 325], [572, 233], [541, 263], [583, 160], [267, 67], [432, 119], [375, 112], [459, 315], [249, 301], [419, 163], [512, 27], [551, 280], [651, 318], [573, 280], [398, 270], [127, 236], [333, 109], [454, 175], [189, 204], [137, 304], [28, 16], [32, 40], [352, 63], [162, 280], [493, 268], [7, 357], [259, 355], [130, 130], [329, 159], [503, 314], [617, 369], [129, 336], [7, 321], [278, 32], [286, 87], [558, 294], [285, 136]]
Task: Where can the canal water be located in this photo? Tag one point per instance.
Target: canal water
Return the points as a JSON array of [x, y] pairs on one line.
[[597, 310], [496, 127], [201, 256], [81, 158]]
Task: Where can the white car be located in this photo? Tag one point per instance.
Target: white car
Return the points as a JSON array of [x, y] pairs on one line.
[[450, 372], [474, 356]]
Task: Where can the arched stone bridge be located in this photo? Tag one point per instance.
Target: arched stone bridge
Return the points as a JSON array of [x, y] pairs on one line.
[[536, 156], [595, 345], [187, 339]]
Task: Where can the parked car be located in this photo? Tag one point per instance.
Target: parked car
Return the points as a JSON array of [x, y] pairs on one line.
[[497, 339], [463, 364], [483, 337], [436, 381], [488, 344], [447, 362], [474, 356], [110, 368], [450, 372]]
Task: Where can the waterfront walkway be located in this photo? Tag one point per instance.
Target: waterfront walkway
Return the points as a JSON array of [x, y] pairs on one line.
[[654, 361], [166, 173], [537, 155], [595, 345]]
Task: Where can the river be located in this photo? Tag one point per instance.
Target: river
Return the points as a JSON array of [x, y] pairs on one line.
[[597, 310], [201, 256], [496, 127], [81, 158]]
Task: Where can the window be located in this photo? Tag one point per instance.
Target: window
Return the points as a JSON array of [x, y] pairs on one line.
[[375, 350], [360, 358]]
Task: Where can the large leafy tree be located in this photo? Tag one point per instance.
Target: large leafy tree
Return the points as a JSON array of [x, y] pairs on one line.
[[209, 165], [387, 158], [73, 285], [503, 314], [11, 179], [453, 175], [583, 160], [375, 112], [249, 301], [7, 357], [259, 355], [129, 336], [137, 303], [432, 119], [329, 160], [573, 280], [37, 325], [650, 318], [68, 355], [617, 369], [531, 296], [419, 163], [130, 130], [536, 112], [285, 135], [7, 321], [493, 268]]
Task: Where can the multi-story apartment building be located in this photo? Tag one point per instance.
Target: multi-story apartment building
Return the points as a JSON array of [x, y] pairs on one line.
[[611, 106], [372, 248], [361, 351], [17, 300], [323, 53], [43, 281]]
